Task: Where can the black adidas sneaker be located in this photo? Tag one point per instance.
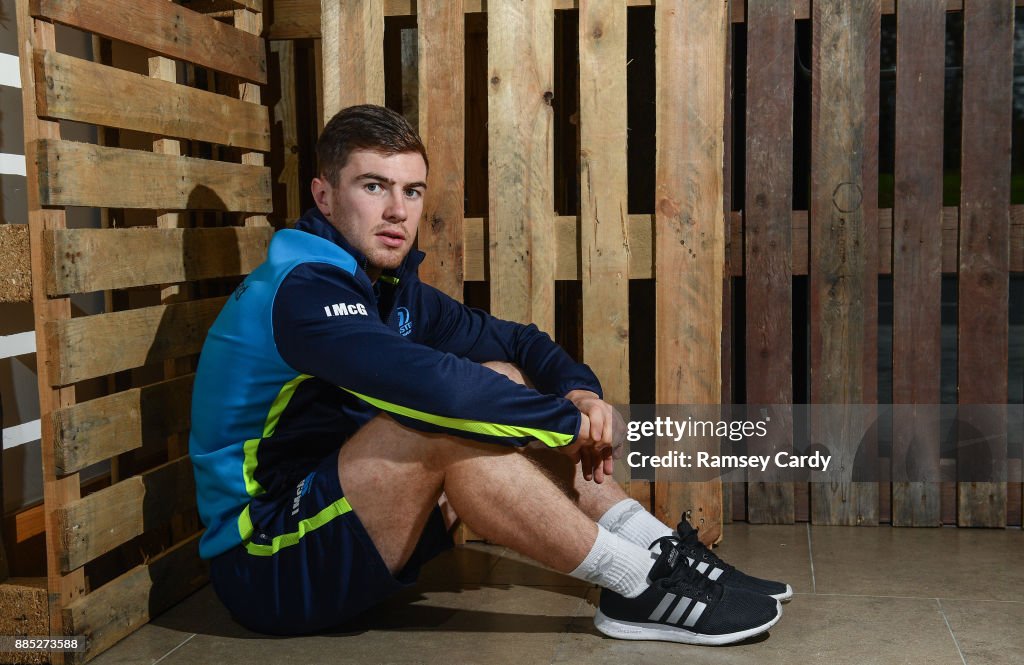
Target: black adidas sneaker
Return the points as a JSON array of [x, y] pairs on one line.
[[683, 606], [704, 562]]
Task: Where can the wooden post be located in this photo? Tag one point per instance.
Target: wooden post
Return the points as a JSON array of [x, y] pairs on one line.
[[983, 327], [57, 490], [604, 213], [441, 111], [284, 112], [353, 54], [5, 570], [521, 203], [166, 69], [251, 22], [843, 264], [917, 261], [689, 236], [771, 33]]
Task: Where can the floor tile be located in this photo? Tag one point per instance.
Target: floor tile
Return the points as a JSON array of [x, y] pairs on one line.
[[976, 564], [876, 603], [489, 624], [989, 633], [774, 552], [143, 647], [830, 630]]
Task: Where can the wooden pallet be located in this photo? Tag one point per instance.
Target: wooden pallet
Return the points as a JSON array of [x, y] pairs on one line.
[[509, 125], [194, 220]]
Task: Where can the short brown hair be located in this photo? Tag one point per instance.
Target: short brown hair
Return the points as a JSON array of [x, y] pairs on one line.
[[364, 127]]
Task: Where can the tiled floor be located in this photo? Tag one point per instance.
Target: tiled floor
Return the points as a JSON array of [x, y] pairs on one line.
[[863, 595]]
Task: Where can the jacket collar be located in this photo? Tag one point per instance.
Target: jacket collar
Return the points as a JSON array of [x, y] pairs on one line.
[[315, 223]]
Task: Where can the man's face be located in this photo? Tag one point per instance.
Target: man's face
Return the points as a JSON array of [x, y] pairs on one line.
[[376, 204]]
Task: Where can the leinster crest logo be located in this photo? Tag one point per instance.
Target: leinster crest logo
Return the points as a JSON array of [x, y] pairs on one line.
[[404, 321]]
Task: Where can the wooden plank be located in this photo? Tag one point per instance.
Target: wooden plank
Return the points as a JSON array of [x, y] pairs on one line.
[[917, 263], [604, 200], [771, 36], [166, 28], [353, 54], [87, 260], [318, 66], [101, 521], [300, 19], [82, 350], [285, 117], [57, 490], [520, 61], [641, 234], [15, 264], [252, 23], [82, 174], [442, 120], [165, 69], [211, 6], [295, 19], [123, 605], [402, 66], [689, 236], [99, 429], [728, 495], [640, 491], [80, 90], [842, 276], [983, 323]]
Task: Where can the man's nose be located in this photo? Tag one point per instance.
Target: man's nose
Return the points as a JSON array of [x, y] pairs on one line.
[[396, 212]]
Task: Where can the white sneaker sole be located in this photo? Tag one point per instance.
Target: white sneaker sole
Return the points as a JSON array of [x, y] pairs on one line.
[[784, 597], [628, 630]]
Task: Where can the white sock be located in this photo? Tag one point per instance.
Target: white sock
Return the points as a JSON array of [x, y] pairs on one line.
[[627, 519], [615, 563]]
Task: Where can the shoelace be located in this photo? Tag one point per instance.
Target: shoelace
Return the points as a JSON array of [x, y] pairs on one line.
[[691, 546], [684, 577]]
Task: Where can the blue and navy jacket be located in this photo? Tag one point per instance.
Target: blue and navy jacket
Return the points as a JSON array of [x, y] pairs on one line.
[[307, 350]]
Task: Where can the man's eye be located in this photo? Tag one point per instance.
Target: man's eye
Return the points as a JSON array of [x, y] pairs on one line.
[[413, 193], [373, 187]]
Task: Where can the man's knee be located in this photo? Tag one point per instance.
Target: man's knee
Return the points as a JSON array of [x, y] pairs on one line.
[[510, 370], [384, 441]]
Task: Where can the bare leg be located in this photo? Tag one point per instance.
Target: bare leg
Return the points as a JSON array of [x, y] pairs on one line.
[[393, 475], [592, 498]]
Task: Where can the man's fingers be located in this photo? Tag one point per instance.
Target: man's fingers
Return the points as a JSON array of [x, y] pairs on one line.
[[584, 436]]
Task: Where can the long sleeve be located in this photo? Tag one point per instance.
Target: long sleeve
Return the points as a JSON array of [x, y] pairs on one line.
[[326, 325], [478, 336]]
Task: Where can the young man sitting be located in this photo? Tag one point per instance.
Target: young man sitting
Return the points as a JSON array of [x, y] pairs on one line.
[[337, 397]]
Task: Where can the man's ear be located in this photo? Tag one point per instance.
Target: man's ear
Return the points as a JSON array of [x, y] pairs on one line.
[[321, 190]]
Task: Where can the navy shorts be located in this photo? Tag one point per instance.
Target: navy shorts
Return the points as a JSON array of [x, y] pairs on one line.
[[310, 565]]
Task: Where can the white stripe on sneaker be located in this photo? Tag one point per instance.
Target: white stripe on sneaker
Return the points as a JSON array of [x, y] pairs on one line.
[[714, 574], [677, 613], [698, 609], [662, 607], [702, 566]]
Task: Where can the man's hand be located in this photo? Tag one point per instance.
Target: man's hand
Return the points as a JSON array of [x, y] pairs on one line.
[[602, 432]]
